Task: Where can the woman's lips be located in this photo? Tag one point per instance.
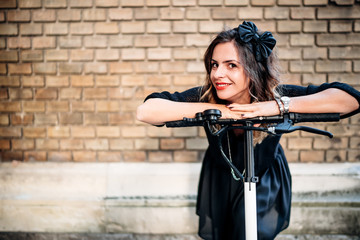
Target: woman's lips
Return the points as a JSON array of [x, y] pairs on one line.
[[221, 85]]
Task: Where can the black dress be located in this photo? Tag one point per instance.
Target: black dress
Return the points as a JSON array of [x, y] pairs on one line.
[[220, 201]]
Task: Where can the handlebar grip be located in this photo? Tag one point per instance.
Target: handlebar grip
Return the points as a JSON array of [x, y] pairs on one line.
[[316, 117], [186, 122]]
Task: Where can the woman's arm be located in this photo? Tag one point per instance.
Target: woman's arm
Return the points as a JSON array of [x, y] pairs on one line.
[[327, 101], [157, 111]]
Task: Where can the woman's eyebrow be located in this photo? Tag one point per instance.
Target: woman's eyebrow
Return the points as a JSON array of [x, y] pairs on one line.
[[226, 61]]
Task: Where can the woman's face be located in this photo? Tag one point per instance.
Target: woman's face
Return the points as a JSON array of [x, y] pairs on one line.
[[227, 74]]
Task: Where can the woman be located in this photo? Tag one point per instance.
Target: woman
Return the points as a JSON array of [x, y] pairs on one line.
[[242, 81]]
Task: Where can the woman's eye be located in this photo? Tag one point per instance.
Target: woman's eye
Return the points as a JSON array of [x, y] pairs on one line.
[[214, 65], [232, 65]]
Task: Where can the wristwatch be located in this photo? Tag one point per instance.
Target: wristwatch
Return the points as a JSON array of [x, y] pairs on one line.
[[286, 102]]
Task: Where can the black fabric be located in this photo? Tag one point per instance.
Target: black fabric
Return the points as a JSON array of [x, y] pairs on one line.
[[220, 203]]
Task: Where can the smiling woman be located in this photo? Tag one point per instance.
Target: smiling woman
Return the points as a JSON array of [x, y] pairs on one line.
[[243, 81]]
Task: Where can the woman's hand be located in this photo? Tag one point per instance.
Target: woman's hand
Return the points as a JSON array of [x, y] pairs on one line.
[[268, 108]]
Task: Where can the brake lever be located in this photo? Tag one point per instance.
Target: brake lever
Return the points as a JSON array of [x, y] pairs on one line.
[[287, 128]]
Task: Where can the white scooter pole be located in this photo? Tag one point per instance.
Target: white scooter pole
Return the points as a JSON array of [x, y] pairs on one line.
[[250, 189], [250, 210]]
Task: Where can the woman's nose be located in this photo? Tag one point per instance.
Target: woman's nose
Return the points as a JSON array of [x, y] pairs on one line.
[[219, 72]]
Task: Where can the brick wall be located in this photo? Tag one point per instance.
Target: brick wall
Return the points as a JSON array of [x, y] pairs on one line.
[[73, 72]]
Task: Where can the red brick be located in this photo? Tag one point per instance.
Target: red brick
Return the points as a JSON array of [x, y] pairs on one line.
[[147, 67], [22, 144], [82, 55], [20, 93], [109, 156], [71, 144], [82, 81], [186, 156], [134, 156], [146, 13], [289, 2], [55, 3], [4, 144], [32, 56], [18, 16], [121, 67], [9, 81], [98, 118], [57, 81], [30, 29], [172, 13], [56, 29], [70, 42], [121, 118], [29, 3], [34, 106], [70, 93], [184, 27], [132, 3], [312, 156], [31, 156], [44, 42], [34, 132], [70, 68], [10, 106], [250, 13], [33, 81], [333, 66], [19, 42], [4, 120], [107, 3], [59, 156], [133, 27], [81, 28], [96, 144], [82, 132], [94, 14], [22, 119], [69, 15], [11, 156], [21, 68], [83, 106], [10, 132], [339, 13], [341, 26], [58, 132], [71, 118], [47, 15], [10, 29], [84, 156], [46, 119], [121, 144], [210, 2], [50, 93], [96, 67], [289, 26], [121, 14], [81, 3], [57, 106], [107, 28], [107, 131], [8, 4], [172, 41], [107, 55], [47, 144], [160, 156]]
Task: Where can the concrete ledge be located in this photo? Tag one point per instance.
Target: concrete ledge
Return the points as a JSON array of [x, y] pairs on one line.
[[152, 198]]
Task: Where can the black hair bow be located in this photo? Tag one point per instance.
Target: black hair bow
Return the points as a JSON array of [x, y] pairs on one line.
[[262, 45]]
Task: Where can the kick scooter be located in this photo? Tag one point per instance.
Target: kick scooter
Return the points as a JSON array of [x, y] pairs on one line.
[[279, 124]]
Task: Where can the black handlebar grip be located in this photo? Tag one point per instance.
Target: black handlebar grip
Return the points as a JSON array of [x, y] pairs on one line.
[[174, 124], [316, 117]]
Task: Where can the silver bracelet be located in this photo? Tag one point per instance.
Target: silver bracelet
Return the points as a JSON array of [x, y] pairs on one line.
[[281, 106]]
